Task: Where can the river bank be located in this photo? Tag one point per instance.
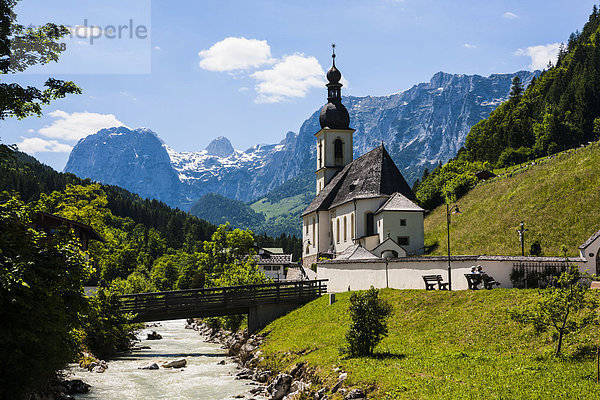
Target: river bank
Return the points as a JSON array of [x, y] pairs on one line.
[[295, 383]]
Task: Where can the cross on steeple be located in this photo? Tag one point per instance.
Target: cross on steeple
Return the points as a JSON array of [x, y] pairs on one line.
[[333, 50]]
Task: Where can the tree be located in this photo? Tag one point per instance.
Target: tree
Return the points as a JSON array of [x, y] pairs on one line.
[[516, 89], [564, 307], [41, 297], [105, 329], [369, 314], [21, 48]]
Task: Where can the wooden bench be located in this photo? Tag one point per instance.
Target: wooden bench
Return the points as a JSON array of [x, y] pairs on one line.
[[474, 280], [489, 282], [432, 280]]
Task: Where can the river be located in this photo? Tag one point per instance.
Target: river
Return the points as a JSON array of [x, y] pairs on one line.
[[202, 379]]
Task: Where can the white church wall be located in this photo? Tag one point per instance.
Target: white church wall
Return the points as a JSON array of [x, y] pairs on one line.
[[309, 235], [342, 218], [363, 207], [408, 273], [390, 223], [324, 239]]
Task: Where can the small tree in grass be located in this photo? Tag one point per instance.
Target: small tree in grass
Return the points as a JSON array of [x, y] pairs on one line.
[[564, 307], [369, 314]]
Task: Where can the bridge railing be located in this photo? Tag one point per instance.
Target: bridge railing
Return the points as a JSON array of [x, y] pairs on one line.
[[222, 297]]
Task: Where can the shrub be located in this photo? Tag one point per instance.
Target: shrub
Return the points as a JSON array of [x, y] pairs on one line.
[[105, 328], [369, 314]]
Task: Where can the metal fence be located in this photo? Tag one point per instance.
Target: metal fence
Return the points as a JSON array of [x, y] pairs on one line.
[[527, 275]]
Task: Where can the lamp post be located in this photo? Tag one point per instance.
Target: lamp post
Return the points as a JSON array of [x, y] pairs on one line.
[[454, 210], [522, 237]]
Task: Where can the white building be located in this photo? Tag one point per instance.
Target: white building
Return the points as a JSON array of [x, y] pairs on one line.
[[364, 201], [273, 262]]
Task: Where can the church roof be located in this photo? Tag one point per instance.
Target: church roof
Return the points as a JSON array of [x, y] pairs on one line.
[[399, 202], [374, 174], [356, 252]]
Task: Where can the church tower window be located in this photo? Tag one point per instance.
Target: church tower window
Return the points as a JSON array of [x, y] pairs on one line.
[[338, 148]]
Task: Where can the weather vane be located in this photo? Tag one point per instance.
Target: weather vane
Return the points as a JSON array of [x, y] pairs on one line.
[[333, 47]]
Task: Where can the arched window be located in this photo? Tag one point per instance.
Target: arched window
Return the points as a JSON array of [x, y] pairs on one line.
[[352, 234], [307, 249], [313, 232], [370, 225], [345, 229], [338, 151], [337, 230]]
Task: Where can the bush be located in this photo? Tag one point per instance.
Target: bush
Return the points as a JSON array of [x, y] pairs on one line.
[[369, 314], [105, 329]]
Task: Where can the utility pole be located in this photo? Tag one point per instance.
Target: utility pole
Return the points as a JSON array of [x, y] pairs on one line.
[[522, 237]]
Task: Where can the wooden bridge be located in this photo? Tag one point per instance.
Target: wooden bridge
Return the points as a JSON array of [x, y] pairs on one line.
[[263, 303]]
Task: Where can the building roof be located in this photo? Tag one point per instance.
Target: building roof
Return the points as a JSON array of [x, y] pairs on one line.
[[43, 216], [356, 252], [374, 174], [399, 202], [277, 259], [274, 250], [388, 241], [590, 240]]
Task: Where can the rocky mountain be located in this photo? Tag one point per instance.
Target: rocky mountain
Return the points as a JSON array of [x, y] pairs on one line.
[[421, 126]]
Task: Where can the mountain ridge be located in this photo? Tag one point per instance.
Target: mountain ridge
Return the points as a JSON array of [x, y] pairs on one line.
[[421, 126]]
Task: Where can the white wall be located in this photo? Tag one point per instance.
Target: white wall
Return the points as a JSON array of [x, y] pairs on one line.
[[408, 273], [389, 223]]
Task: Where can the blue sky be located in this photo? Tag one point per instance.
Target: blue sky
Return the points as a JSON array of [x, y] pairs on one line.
[[253, 70]]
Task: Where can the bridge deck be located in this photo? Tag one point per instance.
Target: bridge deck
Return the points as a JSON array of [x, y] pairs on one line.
[[217, 301]]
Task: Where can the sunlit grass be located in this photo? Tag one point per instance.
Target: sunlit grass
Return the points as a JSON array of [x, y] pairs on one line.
[[442, 345], [558, 200]]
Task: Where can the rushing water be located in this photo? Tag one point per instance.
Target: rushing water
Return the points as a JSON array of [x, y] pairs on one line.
[[201, 379]]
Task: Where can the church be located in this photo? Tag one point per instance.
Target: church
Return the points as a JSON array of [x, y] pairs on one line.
[[363, 208]]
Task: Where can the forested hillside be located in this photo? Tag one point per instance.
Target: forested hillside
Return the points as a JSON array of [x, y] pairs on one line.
[[30, 178], [559, 110]]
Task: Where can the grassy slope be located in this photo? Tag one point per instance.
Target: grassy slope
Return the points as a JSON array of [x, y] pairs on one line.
[[558, 199], [446, 345]]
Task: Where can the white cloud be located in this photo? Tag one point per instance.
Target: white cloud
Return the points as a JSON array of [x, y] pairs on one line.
[[77, 125], [509, 15], [540, 55], [235, 53], [82, 31], [469, 46], [157, 48], [39, 145], [292, 76]]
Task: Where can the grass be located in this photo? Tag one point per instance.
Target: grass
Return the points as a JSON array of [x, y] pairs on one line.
[[283, 215], [441, 345], [558, 199]]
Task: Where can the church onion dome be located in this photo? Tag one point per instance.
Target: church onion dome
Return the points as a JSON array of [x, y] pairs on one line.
[[334, 114], [334, 75]]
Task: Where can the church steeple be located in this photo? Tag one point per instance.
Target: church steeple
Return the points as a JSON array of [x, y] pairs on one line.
[[334, 115], [334, 140]]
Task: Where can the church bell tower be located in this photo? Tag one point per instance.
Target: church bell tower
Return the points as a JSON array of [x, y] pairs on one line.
[[334, 140]]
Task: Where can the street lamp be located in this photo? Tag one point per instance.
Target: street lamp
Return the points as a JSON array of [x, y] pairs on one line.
[[454, 210]]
